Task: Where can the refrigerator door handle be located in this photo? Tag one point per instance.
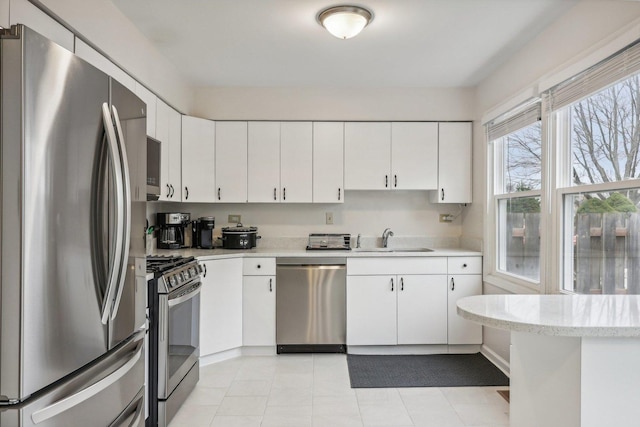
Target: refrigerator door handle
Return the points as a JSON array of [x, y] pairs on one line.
[[126, 193], [114, 273], [75, 399]]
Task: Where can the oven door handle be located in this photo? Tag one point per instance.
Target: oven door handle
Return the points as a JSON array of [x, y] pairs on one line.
[[193, 291]]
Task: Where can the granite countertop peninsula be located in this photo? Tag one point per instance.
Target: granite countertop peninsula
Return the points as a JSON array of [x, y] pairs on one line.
[[556, 315]]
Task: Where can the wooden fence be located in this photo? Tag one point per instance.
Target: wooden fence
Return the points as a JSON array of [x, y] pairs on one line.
[[606, 251]]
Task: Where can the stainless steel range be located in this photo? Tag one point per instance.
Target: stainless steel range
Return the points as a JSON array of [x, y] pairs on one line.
[[174, 334]]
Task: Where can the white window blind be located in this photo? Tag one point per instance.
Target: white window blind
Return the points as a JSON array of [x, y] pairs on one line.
[[605, 73], [514, 120]]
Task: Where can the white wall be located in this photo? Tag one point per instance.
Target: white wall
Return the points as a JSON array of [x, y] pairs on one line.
[[303, 103], [102, 23], [408, 213]]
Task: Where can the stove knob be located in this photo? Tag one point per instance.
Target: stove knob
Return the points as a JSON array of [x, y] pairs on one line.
[[192, 272], [172, 281], [186, 274]]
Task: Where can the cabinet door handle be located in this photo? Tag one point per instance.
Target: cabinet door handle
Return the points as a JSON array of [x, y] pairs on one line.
[[172, 190], [284, 193], [339, 191], [442, 198], [395, 181], [218, 193], [186, 190], [270, 285], [402, 283], [274, 194], [205, 269], [453, 284], [168, 191], [386, 181], [464, 265], [392, 284]]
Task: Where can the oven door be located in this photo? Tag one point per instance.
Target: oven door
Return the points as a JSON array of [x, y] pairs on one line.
[[179, 336]]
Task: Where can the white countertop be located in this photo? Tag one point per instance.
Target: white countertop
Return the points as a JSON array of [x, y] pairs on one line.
[[206, 254], [557, 315]]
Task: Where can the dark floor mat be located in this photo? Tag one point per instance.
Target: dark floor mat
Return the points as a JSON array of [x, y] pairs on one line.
[[433, 370]]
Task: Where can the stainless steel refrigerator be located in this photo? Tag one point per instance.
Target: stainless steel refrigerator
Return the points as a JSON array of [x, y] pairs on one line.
[[72, 319]]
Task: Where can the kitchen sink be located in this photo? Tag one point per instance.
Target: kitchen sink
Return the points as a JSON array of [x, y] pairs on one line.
[[391, 250]]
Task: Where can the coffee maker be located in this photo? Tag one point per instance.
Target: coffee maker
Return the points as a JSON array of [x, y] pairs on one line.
[[203, 232], [175, 230]]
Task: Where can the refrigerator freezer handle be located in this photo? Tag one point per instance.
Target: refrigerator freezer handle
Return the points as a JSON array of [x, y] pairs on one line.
[[126, 194], [87, 393], [114, 274]]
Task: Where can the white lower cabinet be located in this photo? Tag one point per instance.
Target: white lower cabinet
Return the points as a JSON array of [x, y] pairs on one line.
[[406, 306], [221, 306], [462, 331], [259, 302], [259, 311]]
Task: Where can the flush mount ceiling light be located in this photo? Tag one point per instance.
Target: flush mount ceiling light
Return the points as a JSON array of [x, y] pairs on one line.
[[345, 22]]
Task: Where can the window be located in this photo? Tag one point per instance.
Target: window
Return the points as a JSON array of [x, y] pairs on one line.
[[517, 147], [600, 208], [571, 174]]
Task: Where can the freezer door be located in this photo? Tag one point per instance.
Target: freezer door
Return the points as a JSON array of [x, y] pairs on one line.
[[99, 395]]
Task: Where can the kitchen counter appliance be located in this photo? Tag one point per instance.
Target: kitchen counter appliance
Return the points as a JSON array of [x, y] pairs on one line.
[[311, 309], [239, 237], [72, 255], [329, 242], [203, 232], [175, 230], [174, 334]]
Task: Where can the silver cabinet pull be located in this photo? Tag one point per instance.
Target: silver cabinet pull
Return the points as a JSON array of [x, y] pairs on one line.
[[168, 191], [442, 198], [395, 181], [402, 283], [274, 194], [186, 190], [386, 181], [218, 193], [453, 284], [284, 193], [339, 191], [270, 285], [205, 269], [392, 284]]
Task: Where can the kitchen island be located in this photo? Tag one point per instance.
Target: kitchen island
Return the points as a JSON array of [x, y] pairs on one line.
[[574, 358]]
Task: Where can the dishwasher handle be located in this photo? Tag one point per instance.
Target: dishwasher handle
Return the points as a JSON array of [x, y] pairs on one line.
[[311, 262]]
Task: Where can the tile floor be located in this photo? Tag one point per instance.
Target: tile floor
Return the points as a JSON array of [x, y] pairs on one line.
[[313, 390]]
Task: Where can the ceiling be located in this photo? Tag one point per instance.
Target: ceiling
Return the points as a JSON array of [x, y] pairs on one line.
[[410, 43]]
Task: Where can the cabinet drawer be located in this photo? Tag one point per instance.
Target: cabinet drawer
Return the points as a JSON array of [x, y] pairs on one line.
[[259, 267], [396, 265], [465, 265]]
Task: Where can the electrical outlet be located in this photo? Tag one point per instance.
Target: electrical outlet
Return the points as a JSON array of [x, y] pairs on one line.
[[329, 216], [446, 218], [235, 219]]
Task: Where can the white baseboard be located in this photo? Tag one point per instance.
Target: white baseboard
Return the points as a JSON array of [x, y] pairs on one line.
[[221, 356], [413, 349], [262, 350], [494, 358]]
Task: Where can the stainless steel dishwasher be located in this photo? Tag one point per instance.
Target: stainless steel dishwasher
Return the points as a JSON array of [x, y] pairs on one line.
[[311, 313]]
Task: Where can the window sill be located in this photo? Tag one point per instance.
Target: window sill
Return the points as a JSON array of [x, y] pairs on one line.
[[511, 286]]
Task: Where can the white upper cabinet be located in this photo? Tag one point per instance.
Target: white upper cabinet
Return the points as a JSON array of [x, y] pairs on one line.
[[367, 156], [96, 59], [296, 162], [231, 162], [264, 162], [414, 155], [169, 133], [280, 162], [23, 12], [150, 99], [198, 160], [328, 162], [454, 164]]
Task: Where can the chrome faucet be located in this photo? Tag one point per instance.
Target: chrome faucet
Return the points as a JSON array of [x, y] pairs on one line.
[[385, 236]]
